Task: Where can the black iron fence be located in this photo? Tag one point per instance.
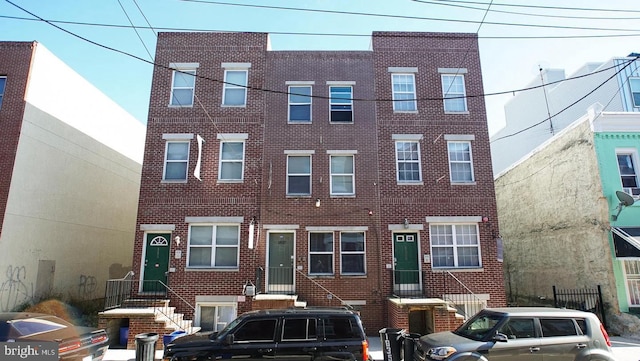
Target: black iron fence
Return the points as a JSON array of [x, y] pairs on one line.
[[585, 299]]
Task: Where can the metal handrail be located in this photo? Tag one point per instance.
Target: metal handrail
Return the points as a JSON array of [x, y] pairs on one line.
[[325, 289]]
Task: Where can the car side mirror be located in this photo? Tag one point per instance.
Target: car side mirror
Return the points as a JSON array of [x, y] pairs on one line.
[[229, 339], [500, 337]]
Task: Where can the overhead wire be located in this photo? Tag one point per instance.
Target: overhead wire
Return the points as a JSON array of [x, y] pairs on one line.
[[544, 7]]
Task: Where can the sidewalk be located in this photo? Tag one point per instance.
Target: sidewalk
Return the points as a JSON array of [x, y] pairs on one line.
[[375, 350]]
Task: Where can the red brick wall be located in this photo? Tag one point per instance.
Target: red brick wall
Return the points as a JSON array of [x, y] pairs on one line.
[[15, 62]]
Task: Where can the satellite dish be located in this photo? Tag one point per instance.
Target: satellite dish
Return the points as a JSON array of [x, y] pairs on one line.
[[625, 198]]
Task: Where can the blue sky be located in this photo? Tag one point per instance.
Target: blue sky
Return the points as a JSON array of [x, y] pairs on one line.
[[508, 63]]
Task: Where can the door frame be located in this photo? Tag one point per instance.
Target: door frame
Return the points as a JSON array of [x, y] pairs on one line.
[[144, 255], [407, 286], [293, 259]]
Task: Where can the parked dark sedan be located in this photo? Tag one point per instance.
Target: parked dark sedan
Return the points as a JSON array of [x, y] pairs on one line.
[[74, 342]]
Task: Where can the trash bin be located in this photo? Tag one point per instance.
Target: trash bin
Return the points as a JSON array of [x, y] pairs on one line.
[[167, 339], [409, 346], [146, 346], [391, 339]]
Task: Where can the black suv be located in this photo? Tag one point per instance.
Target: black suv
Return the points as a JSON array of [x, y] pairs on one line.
[[309, 334]]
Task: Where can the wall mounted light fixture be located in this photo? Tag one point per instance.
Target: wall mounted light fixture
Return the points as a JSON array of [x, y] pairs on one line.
[[405, 224], [317, 202]]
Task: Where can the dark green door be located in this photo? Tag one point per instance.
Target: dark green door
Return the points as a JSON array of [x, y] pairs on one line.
[[156, 262], [405, 254], [280, 262]]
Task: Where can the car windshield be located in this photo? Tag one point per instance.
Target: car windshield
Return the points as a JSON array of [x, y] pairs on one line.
[[481, 325]]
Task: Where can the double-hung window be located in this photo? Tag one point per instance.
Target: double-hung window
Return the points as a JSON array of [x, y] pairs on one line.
[[460, 162], [231, 167], [455, 245], [299, 174], [3, 82], [183, 84], [234, 91], [321, 253], [342, 175], [408, 168], [341, 103], [176, 157], [300, 103], [214, 246], [212, 316], [634, 83], [403, 91], [352, 253], [453, 93], [627, 164]]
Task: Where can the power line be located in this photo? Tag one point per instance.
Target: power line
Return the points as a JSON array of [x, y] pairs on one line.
[[122, 26], [543, 7]]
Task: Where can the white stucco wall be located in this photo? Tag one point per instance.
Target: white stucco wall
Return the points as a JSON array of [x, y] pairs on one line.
[[71, 211]]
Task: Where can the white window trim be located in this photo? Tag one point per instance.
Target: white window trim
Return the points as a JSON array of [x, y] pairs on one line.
[[633, 152], [470, 162], [177, 136], [213, 247], [351, 154], [166, 161], [463, 94], [231, 139], [419, 161], [333, 254], [180, 70], [199, 304], [230, 86], [363, 252], [341, 84], [637, 79], [300, 174], [310, 103], [414, 94], [455, 245]]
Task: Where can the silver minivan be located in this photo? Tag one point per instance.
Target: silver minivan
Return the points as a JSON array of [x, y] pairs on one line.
[[523, 334]]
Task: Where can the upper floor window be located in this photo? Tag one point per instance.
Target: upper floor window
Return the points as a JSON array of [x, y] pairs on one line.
[[321, 253], [352, 253], [298, 175], [628, 172], [341, 103], [460, 162], [3, 82], [454, 94], [214, 246], [634, 83], [176, 156], [342, 175], [300, 104], [404, 92], [234, 92], [455, 245], [231, 167], [183, 87], [408, 161]]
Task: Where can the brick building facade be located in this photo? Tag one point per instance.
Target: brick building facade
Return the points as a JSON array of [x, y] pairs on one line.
[[317, 177]]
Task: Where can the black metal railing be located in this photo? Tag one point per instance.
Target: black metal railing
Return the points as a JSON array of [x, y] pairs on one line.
[[585, 299], [409, 284], [280, 280]]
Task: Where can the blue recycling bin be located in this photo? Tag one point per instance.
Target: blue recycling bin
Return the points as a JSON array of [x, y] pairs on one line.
[[167, 339]]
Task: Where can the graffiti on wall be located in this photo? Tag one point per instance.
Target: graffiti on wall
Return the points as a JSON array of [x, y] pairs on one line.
[[87, 287], [14, 290]]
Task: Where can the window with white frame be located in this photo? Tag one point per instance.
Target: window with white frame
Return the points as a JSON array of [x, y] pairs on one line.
[[298, 175], [628, 172], [404, 92], [231, 167], [352, 253], [342, 175], [453, 92], [176, 160], [300, 103], [183, 87], [341, 103], [215, 316], [460, 162], [214, 246], [455, 245], [3, 83], [634, 83], [235, 88], [321, 253], [408, 161]]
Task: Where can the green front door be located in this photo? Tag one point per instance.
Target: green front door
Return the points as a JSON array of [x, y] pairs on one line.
[[156, 262], [280, 265], [405, 254]]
